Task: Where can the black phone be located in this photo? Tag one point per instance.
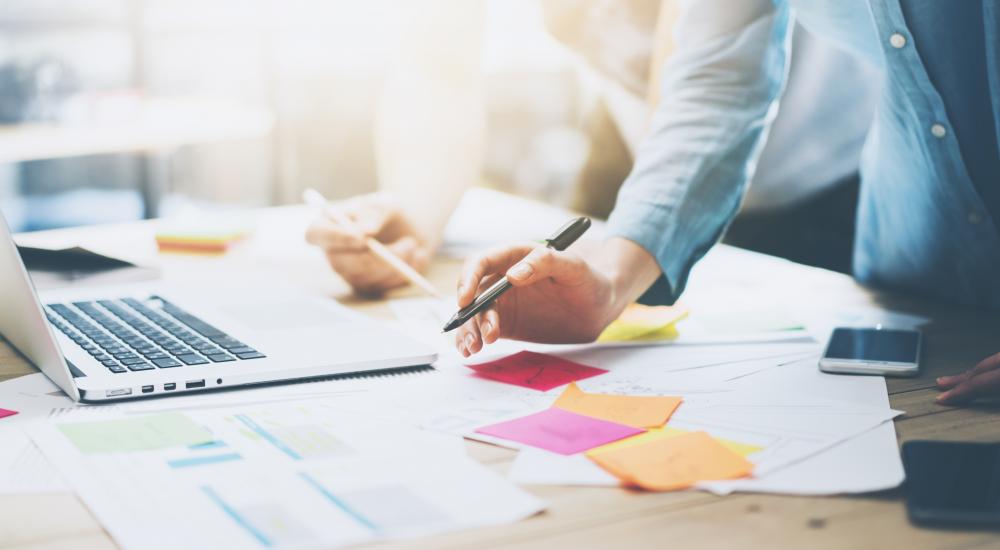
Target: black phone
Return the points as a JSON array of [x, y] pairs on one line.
[[952, 483]]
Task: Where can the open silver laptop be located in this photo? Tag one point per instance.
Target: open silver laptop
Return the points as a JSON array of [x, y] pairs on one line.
[[98, 346]]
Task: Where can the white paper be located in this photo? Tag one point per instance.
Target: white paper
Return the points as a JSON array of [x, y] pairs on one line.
[[865, 463], [23, 469], [538, 467], [294, 475]]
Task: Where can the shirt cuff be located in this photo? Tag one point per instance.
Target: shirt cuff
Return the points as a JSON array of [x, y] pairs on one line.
[[648, 225]]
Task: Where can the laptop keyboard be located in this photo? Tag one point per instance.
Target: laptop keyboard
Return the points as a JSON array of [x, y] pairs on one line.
[[135, 335]]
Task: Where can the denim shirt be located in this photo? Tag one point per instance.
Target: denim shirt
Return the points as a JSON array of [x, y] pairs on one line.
[[922, 226]]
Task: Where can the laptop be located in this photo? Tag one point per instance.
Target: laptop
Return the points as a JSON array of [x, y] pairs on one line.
[[109, 345]]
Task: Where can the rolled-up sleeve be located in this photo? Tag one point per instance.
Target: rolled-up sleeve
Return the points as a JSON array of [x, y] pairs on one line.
[[718, 96]]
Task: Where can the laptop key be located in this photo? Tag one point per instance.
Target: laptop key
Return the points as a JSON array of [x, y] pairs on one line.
[[192, 359], [141, 366], [109, 363], [130, 362], [167, 362], [241, 349], [116, 369], [220, 357], [250, 355]]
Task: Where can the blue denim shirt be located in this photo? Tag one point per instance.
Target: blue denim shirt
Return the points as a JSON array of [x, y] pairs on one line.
[[922, 226]]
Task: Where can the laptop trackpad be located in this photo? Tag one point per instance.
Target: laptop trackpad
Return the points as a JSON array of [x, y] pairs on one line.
[[284, 315]]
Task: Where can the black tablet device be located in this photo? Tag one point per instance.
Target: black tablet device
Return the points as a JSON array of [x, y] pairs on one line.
[[952, 483]]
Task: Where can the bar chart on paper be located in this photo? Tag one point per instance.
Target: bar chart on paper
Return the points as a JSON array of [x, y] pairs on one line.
[[273, 476]]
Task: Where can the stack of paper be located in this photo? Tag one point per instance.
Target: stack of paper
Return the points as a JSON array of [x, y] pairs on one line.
[[281, 475]]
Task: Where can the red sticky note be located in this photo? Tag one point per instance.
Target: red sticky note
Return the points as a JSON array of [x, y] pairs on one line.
[[4, 413], [537, 371], [560, 431]]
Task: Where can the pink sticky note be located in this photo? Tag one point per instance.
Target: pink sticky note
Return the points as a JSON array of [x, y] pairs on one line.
[[4, 413], [537, 371], [560, 431]]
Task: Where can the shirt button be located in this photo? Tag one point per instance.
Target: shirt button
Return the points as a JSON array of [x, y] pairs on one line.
[[938, 130], [897, 40], [975, 218]]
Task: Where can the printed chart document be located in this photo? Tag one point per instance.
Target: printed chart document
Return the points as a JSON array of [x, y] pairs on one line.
[[298, 475]]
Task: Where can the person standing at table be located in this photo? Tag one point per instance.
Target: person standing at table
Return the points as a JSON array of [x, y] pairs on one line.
[[930, 196], [430, 134]]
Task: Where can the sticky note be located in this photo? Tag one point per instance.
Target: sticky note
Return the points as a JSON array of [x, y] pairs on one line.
[[632, 410], [201, 235], [742, 449], [537, 371], [560, 431], [138, 433], [644, 323], [672, 463], [4, 413]]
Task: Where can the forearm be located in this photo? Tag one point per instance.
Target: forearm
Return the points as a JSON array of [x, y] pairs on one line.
[[719, 90]]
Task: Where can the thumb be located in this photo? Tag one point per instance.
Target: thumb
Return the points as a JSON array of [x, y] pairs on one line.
[[544, 263]]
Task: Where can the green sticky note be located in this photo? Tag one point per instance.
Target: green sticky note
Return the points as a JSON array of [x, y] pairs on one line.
[[139, 433]]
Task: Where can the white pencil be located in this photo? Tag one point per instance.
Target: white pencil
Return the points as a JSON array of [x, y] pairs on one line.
[[314, 198]]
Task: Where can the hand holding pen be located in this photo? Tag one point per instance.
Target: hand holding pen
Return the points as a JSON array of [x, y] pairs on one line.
[[554, 295]]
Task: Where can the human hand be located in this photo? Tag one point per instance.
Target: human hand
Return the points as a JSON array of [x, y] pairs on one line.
[[557, 298], [980, 381], [378, 216]]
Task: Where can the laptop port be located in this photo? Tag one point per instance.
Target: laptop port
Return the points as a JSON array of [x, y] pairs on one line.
[[118, 393], [169, 387], [195, 384], [147, 389]]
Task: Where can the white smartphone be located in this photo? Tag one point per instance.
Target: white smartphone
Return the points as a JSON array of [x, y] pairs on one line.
[[885, 352]]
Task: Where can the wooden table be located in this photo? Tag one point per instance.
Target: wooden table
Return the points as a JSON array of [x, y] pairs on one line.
[[579, 517]]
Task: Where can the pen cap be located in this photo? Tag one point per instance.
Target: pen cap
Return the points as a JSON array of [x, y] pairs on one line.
[[568, 233]]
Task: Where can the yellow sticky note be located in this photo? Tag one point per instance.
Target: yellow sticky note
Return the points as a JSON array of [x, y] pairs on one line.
[[631, 410], [644, 323], [672, 463], [742, 449]]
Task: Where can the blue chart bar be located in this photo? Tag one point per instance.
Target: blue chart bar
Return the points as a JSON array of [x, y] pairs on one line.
[[268, 436], [202, 460], [208, 445], [236, 516], [338, 502]]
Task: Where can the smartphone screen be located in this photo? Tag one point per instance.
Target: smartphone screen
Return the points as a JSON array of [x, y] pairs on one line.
[[949, 482], [876, 345]]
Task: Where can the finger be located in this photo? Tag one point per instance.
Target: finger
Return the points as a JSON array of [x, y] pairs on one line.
[[489, 325], [326, 234], [365, 272], [986, 383], [405, 248], [990, 363], [466, 339], [545, 263], [493, 261], [949, 382]]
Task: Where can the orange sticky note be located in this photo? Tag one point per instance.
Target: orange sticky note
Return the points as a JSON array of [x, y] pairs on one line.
[[673, 463], [632, 410]]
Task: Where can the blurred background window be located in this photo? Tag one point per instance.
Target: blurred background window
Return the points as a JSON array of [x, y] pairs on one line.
[[115, 110]]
